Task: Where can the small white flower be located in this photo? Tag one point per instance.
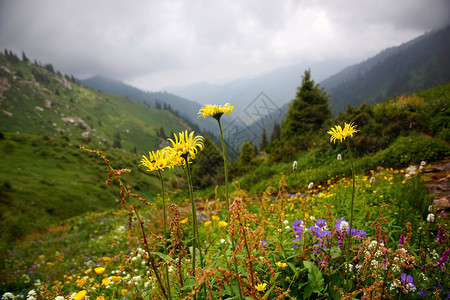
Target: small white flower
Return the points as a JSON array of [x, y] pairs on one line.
[[287, 227], [7, 296], [344, 226], [294, 166], [285, 222], [430, 218], [339, 157], [430, 208], [59, 298], [280, 230], [310, 185], [312, 218], [222, 241], [372, 180]]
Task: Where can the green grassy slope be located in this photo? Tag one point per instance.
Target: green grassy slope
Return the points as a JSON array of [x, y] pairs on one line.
[[44, 177], [45, 180], [37, 101]]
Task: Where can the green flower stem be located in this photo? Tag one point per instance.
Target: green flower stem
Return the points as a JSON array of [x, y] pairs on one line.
[[165, 231], [351, 214], [224, 154], [194, 219]]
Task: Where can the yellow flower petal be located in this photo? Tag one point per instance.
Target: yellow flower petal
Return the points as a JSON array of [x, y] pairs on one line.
[[261, 287], [99, 270], [80, 295], [337, 133], [222, 224], [215, 111]]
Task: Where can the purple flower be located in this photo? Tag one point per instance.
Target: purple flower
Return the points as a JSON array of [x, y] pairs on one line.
[[407, 281], [321, 223], [264, 244], [440, 234], [422, 293], [443, 259]]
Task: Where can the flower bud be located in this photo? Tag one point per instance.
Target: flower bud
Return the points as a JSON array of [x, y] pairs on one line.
[[310, 185], [294, 166], [372, 180], [339, 157], [430, 218]]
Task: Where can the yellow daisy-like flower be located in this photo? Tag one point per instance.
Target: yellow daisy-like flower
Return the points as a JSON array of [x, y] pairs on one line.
[[215, 218], [88, 271], [184, 221], [185, 144], [337, 133], [207, 223], [281, 265], [106, 281], [215, 111], [157, 160], [261, 287], [100, 298], [116, 279], [80, 295], [99, 270], [222, 224]]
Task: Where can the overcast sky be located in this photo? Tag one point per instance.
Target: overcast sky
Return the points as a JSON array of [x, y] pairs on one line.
[[154, 44]]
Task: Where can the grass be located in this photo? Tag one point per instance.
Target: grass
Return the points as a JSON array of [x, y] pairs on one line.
[[46, 180], [65, 257]]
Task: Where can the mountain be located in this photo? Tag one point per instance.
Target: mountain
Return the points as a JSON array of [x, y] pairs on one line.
[[185, 108], [36, 100], [416, 65], [278, 85], [44, 176]]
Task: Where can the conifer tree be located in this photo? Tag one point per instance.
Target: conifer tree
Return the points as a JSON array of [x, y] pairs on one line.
[[264, 141], [307, 113]]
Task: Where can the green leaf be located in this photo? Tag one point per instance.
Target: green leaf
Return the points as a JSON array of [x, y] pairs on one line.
[[335, 252], [189, 284], [315, 277], [164, 257], [307, 292]]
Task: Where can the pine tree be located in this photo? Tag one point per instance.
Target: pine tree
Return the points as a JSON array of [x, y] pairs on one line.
[[264, 141], [276, 132], [307, 113]]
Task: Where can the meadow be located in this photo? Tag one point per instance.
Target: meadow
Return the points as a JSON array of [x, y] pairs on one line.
[[345, 229]]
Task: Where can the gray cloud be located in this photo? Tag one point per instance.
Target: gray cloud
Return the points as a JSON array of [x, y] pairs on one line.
[[153, 44]]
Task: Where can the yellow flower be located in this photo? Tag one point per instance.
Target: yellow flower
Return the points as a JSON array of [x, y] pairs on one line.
[[214, 111], [185, 144], [222, 224], [207, 223], [100, 298], [105, 258], [106, 281], [80, 295], [215, 218], [88, 271], [337, 133], [99, 270], [157, 160], [116, 279], [184, 221], [281, 265], [261, 287]]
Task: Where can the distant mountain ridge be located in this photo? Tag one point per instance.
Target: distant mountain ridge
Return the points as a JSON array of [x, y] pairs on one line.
[[279, 85], [37, 100], [416, 65], [187, 109]]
